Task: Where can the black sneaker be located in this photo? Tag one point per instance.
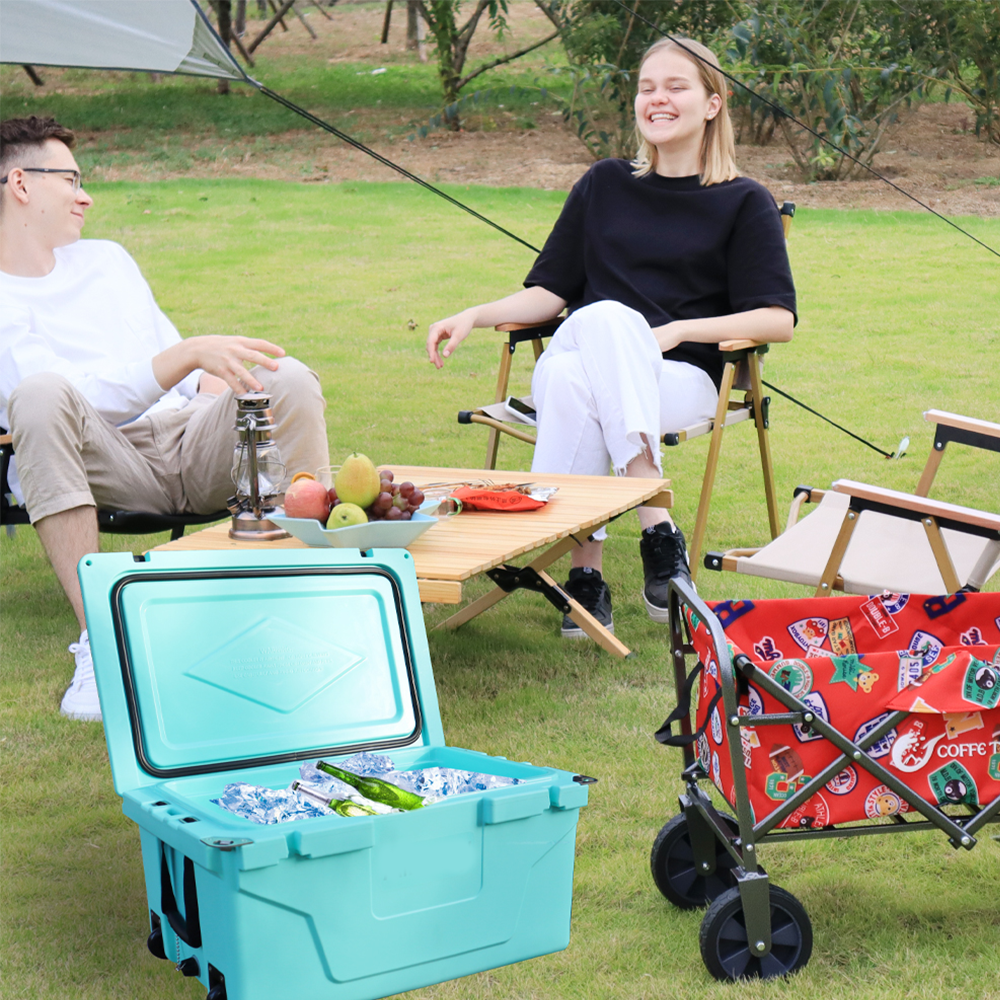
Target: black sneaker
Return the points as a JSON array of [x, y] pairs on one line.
[[664, 555], [587, 586]]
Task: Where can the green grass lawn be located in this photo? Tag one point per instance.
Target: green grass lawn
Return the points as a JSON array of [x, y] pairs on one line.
[[898, 314]]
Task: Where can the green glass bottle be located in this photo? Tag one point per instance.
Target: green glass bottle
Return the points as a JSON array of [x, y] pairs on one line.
[[375, 788], [342, 807]]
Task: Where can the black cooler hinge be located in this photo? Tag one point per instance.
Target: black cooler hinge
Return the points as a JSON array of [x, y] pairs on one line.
[[511, 578]]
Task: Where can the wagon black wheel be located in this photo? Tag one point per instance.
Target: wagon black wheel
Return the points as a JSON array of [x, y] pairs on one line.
[[728, 954], [675, 872], [155, 943]]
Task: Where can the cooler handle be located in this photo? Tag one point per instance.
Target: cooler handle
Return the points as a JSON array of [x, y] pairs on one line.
[[189, 929]]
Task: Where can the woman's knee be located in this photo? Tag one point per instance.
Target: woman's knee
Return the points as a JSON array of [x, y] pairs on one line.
[[609, 313], [559, 374]]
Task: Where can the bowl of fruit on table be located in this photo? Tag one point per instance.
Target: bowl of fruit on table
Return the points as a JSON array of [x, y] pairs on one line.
[[364, 508]]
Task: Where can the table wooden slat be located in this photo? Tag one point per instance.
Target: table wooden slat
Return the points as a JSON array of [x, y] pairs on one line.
[[458, 548]]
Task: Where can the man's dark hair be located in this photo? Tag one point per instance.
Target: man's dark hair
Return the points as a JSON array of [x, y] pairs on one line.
[[21, 139]]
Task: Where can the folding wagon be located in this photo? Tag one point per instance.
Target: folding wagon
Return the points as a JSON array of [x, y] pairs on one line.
[[817, 718]]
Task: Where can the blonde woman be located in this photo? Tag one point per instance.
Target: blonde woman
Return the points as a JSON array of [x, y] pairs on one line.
[[658, 261]]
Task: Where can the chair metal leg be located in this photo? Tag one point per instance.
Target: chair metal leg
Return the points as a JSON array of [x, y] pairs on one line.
[[711, 466], [763, 443]]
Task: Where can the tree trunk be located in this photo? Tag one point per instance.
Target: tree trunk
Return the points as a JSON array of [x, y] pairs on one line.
[[223, 10], [415, 30], [240, 27], [386, 21]]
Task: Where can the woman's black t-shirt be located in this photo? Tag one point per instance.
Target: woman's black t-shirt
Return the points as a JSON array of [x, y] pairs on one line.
[[668, 248]]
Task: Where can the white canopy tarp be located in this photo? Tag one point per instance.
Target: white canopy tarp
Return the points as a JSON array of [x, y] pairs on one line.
[[159, 36]]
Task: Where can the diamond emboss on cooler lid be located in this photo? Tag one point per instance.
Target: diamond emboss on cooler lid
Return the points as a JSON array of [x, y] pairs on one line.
[[275, 664]]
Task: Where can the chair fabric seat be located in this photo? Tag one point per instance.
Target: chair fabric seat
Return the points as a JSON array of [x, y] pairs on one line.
[[885, 553]]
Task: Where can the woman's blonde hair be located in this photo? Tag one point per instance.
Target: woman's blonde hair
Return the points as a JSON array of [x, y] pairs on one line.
[[718, 146]]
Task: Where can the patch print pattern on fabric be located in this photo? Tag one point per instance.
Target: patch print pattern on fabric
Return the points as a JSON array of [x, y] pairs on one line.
[[936, 607], [765, 649], [953, 785], [925, 646], [848, 670], [728, 611], [878, 616], [795, 676], [912, 750], [810, 634], [803, 732], [883, 801], [842, 637], [881, 746], [981, 686], [843, 783]]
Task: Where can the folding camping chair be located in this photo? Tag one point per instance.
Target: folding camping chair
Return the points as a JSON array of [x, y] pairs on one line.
[[115, 522], [863, 539], [741, 398]]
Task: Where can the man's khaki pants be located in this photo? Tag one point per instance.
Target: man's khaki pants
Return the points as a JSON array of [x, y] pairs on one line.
[[172, 462]]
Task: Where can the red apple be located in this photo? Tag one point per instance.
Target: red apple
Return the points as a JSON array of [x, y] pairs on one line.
[[307, 498]]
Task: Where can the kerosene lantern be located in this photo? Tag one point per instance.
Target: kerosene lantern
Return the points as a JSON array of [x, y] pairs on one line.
[[257, 471]]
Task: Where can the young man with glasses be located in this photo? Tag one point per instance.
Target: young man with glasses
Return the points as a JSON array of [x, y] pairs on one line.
[[107, 405]]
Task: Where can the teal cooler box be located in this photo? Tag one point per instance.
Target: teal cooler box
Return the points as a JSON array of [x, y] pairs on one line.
[[221, 667]]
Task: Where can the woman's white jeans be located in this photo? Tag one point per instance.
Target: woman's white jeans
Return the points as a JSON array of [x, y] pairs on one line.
[[602, 390]]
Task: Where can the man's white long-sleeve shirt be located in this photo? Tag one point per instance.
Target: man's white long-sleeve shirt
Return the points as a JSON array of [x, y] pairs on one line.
[[93, 319]]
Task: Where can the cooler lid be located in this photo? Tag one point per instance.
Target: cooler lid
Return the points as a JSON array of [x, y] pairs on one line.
[[214, 661]]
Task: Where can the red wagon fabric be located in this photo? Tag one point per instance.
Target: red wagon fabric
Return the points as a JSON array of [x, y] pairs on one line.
[[854, 661]]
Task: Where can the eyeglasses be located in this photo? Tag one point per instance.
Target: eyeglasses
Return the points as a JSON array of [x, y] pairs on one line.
[[74, 174]]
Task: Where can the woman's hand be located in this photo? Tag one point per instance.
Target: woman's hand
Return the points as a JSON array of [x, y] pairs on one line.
[[528, 306], [670, 335], [454, 329]]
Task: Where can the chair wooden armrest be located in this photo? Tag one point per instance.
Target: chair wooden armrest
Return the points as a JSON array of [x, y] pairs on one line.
[[546, 324], [962, 423], [740, 345], [909, 503], [960, 429]]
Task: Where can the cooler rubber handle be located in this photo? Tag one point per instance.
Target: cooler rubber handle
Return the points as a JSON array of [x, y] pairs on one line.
[[189, 929]]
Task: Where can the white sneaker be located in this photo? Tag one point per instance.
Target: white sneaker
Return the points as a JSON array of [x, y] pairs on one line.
[[80, 700]]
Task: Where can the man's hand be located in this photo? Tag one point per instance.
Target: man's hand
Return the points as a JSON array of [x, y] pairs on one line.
[[224, 357], [454, 329], [211, 384]]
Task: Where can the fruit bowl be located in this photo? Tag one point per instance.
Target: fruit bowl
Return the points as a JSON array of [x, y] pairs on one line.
[[373, 535]]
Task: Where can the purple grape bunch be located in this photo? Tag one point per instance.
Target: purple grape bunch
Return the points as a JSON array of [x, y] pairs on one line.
[[396, 501]]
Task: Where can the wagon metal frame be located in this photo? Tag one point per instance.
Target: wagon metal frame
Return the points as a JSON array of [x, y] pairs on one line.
[[703, 856]]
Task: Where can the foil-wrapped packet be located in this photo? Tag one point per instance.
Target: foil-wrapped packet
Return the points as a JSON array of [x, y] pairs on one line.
[[430, 782], [282, 805], [440, 782], [267, 805]]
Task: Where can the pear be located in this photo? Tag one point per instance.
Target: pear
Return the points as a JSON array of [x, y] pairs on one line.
[[346, 514], [357, 481]]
